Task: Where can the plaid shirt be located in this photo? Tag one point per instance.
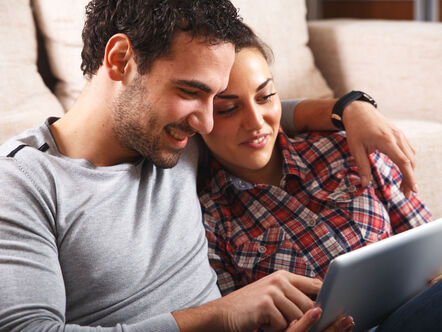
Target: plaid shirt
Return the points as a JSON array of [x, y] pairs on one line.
[[319, 211]]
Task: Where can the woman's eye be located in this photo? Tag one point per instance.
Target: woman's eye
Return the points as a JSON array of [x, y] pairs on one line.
[[227, 111], [268, 97]]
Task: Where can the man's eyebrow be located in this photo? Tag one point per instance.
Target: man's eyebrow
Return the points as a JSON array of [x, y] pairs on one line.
[[261, 86], [194, 84], [221, 96]]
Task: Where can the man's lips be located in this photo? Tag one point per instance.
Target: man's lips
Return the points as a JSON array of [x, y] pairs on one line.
[[178, 133]]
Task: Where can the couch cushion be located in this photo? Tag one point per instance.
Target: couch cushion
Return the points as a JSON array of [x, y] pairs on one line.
[[399, 63], [282, 24], [425, 136], [61, 23], [25, 101]]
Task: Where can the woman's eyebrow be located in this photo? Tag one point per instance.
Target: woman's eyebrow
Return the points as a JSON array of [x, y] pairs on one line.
[[261, 86]]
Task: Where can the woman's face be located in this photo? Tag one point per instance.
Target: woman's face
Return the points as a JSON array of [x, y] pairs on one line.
[[246, 118]]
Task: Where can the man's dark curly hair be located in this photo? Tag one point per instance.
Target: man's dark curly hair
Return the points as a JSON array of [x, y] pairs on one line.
[[151, 25]]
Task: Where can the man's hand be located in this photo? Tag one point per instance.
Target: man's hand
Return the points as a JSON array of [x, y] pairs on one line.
[[368, 130], [344, 324], [277, 302], [270, 303]]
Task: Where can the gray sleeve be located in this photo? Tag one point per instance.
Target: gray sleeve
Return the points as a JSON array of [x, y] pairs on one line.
[[32, 292], [288, 108]]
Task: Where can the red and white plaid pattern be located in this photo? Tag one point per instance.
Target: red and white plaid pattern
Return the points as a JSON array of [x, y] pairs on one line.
[[319, 211]]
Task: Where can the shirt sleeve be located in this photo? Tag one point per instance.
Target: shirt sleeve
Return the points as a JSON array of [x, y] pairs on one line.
[[405, 213], [32, 290], [288, 110]]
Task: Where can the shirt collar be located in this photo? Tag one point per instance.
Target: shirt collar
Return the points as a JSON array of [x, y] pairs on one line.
[[220, 179], [292, 162]]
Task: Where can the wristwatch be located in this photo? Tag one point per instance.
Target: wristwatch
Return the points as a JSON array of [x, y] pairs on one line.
[[338, 109]]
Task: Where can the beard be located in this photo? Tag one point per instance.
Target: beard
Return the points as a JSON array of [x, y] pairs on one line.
[[135, 124]]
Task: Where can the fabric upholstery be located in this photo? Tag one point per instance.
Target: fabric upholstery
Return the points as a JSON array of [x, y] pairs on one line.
[[61, 23], [400, 63], [426, 138], [294, 70], [25, 101]]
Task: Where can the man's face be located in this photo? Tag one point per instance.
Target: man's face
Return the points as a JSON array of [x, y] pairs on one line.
[[156, 113]]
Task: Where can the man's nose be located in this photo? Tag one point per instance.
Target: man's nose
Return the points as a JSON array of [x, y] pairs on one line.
[[202, 120]]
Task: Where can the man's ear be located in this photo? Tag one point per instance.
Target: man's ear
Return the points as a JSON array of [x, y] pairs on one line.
[[117, 57]]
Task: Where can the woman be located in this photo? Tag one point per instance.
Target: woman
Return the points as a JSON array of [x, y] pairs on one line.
[[271, 202]]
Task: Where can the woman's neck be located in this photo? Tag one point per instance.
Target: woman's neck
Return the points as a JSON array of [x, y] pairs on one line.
[[270, 174]]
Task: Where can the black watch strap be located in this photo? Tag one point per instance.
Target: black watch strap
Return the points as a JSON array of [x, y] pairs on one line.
[[342, 102]]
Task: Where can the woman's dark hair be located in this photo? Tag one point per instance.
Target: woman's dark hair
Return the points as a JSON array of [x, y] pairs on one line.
[[251, 40], [151, 25]]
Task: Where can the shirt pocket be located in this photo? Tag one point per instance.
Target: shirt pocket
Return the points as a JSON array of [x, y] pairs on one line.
[[347, 201], [271, 251]]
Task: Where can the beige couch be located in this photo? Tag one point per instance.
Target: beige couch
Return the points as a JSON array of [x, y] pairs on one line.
[[398, 63]]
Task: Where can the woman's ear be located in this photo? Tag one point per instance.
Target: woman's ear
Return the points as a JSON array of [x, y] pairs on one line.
[[117, 57]]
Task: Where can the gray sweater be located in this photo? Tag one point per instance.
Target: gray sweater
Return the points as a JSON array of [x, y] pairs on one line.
[[119, 247]]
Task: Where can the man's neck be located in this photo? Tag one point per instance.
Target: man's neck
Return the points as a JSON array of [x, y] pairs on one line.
[[85, 132]]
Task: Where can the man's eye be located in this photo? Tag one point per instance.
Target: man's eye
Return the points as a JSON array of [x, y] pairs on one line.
[[188, 92]]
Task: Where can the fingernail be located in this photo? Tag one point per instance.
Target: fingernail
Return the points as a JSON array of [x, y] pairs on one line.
[[293, 323], [347, 323], [315, 313], [415, 188]]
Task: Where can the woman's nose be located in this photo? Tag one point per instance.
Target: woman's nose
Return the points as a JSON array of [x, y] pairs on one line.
[[253, 118]]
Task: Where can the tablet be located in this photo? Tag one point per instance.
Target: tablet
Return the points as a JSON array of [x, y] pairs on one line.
[[371, 282]]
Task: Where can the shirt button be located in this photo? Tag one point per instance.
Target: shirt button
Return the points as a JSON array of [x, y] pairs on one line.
[[352, 189], [311, 222], [262, 249], [243, 185], [287, 236]]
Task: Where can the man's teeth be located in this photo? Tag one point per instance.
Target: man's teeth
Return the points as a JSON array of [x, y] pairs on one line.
[[258, 140], [176, 134]]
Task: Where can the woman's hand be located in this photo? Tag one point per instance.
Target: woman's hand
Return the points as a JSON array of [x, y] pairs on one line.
[[435, 280], [368, 130], [344, 324]]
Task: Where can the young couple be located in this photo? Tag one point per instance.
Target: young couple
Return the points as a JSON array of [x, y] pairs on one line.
[[100, 225]]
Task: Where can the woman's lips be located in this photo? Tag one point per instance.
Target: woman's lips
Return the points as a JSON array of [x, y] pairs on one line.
[[257, 142]]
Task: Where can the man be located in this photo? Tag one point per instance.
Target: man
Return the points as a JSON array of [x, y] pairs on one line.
[[100, 224]]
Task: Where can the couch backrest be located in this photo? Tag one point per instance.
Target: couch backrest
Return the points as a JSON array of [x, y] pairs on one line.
[[282, 25]]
